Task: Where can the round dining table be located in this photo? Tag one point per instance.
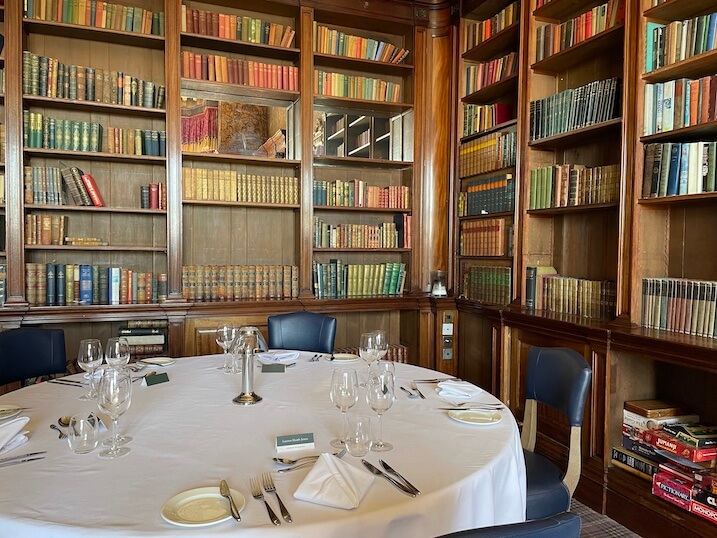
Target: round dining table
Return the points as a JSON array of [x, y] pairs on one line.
[[188, 434]]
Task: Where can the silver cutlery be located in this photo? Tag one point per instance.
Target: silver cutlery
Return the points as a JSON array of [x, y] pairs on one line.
[[15, 462], [308, 463], [396, 483], [258, 495], [66, 383], [55, 427], [226, 492], [470, 408], [389, 469], [21, 456], [288, 461], [486, 405], [415, 388], [437, 380], [410, 394], [315, 358], [269, 487]]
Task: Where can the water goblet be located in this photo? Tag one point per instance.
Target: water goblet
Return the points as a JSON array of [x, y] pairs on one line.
[[226, 334], [367, 349], [115, 396], [358, 435], [117, 352], [381, 365], [380, 396], [89, 358], [380, 343], [344, 394]]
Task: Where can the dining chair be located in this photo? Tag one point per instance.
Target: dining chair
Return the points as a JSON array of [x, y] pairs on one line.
[[560, 378], [565, 525], [303, 331], [31, 352]]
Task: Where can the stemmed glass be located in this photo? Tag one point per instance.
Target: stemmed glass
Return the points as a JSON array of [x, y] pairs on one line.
[[114, 399], [89, 358], [225, 337], [344, 394], [380, 343], [117, 352], [379, 396], [367, 349]]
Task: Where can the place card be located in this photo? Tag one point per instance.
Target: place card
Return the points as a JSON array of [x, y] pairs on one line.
[[273, 368], [296, 441], [155, 379]]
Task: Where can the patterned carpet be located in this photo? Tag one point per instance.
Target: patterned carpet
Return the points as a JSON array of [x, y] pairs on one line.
[[597, 525]]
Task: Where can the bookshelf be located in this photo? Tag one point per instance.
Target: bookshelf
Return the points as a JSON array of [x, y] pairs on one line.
[[3, 230]]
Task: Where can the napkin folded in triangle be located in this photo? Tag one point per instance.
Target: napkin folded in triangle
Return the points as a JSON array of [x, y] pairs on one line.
[[457, 389], [277, 356], [12, 434], [335, 483]]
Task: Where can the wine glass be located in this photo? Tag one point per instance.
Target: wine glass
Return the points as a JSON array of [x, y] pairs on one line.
[[89, 358], [381, 366], [117, 352], [115, 396], [379, 396], [344, 394], [367, 349], [225, 336], [380, 343]]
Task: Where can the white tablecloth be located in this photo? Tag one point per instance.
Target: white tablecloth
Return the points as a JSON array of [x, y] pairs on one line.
[[187, 433]]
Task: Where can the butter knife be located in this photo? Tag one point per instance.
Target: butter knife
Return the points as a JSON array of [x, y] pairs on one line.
[[396, 483], [393, 471], [225, 492], [21, 456], [15, 462]]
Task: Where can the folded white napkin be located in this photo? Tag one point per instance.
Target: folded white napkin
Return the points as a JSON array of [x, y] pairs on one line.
[[335, 483], [457, 389], [12, 434], [277, 355]]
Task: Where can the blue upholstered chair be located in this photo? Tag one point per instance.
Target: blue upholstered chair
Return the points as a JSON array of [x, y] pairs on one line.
[[564, 525], [303, 331], [558, 377], [30, 352]]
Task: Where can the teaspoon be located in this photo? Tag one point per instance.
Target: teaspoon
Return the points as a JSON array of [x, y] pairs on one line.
[[55, 427], [64, 421]]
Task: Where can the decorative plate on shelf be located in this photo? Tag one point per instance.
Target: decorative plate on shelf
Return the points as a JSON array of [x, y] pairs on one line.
[[200, 507]]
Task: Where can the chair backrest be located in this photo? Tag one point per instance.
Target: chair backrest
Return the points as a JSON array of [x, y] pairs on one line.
[[564, 525], [303, 331], [31, 352]]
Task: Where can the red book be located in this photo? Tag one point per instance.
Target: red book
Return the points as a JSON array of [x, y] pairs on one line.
[[203, 22], [503, 112], [665, 441], [295, 79], [195, 21], [154, 195], [92, 190], [704, 511], [672, 490], [705, 101], [185, 64], [198, 66], [190, 21], [215, 23], [285, 77], [274, 76], [223, 25]]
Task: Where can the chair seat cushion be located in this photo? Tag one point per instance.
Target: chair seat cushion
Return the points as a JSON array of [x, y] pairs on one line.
[[547, 495]]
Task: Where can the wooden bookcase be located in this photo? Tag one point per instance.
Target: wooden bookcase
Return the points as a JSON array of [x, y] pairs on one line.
[[3, 230]]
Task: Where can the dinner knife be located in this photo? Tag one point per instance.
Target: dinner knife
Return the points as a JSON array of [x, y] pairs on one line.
[[375, 470], [225, 492], [21, 456], [15, 462], [393, 471]]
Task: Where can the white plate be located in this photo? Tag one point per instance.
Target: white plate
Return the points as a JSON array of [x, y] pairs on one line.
[[9, 411], [344, 357], [475, 416], [200, 507], [157, 361]]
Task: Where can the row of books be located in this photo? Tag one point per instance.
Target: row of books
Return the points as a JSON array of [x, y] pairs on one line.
[[396, 352], [368, 236], [680, 305], [487, 153], [137, 142], [237, 282], [42, 132], [486, 195], [231, 186], [576, 296], [565, 185], [97, 14], [477, 118], [337, 279], [69, 185], [216, 68], [486, 237], [488, 284], [679, 40], [552, 38], [478, 76], [336, 42], [44, 229], [146, 338], [48, 77], [574, 108], [675, 104], [153, 196], [236, 27], [58, 284], [358, 193], [675, 168], [356, 87], [480, 31]]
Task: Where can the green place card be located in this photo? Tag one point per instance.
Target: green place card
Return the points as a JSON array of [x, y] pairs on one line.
[[273, 368], [156, 379], [294, 442]]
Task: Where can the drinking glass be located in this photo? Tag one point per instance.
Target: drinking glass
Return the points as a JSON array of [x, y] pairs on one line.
[[344, 394], [114, 399], [225, 337], [383, 366], [358, 436], [117, 352], [367, 349], [89, 358], [379, 396], [380, 343], [82, 433]]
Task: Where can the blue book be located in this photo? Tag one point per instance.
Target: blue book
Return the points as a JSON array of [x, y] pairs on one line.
[[711, 31], [650, 44], [673, 175], [684, 168], [86, 284]]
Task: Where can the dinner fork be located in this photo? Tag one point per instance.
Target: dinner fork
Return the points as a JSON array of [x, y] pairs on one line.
[[257, 494], [269, 487]]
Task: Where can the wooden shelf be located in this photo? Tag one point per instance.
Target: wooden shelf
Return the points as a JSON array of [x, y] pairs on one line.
[[106, 248], [500, 127], [664, 201], [239, 159], [506, 40], [93, 209], [466, 257], [609, 39], [240, 204], [552, 211], [489, 173], [95, 34], [220, 91], [673, 10], [360, 162], [482, 9], [560, 10], [700, 131], [98, 313], [576, 136], [486, 216], [359, 64], [363, 148], [494, 92], [240, 47], [335, 104], [92, 106], [360, 209], [95, 156], [363, 250], [692, 67]]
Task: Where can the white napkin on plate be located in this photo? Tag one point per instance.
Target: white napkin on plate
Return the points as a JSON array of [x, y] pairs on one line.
[[277, 356], [12, 434], [334, 483], [457, 389]]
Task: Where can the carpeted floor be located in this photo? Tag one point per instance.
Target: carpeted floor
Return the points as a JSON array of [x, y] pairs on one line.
[[597, 525]]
